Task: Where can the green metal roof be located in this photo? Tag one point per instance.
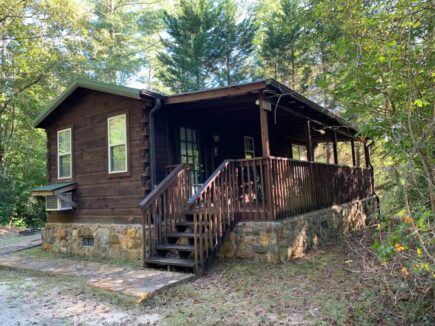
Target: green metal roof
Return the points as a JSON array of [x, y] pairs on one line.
[[89, 84], [54, 186]]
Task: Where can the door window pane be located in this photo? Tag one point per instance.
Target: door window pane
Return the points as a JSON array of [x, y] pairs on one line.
[[189, 153], [249, 147]]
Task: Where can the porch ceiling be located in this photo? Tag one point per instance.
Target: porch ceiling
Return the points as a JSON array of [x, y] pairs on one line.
[[242, 96], [288, 119]]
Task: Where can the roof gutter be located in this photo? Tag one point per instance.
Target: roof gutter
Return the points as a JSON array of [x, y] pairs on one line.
[[154, 109]]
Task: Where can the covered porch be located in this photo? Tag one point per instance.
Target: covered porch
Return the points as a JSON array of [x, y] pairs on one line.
[[288, 154], [253, 152]]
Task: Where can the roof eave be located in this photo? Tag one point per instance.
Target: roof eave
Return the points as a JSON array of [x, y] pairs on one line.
[[212, 93], [312, 104]]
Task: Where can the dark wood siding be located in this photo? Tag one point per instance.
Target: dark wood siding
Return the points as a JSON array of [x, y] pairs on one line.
[[101, 197], [162, 151], [229, 125]]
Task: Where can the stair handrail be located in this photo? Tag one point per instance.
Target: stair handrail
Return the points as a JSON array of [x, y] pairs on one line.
[[164, 206], [192, 200], [214, 214], [162, 186]]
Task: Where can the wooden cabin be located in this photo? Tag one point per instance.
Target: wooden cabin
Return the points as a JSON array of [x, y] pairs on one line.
[[135, 174]]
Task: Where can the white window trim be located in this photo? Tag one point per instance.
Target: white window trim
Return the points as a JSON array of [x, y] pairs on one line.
[[64, 154], [109, 145]]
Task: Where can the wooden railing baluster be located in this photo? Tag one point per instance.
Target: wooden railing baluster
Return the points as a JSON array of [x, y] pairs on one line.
[[264, 188], [164, 206]]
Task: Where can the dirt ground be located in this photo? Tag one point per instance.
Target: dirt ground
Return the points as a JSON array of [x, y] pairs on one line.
[[11, 240], [323, 289]]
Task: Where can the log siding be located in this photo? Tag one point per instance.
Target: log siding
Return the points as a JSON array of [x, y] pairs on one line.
[[101, 197]]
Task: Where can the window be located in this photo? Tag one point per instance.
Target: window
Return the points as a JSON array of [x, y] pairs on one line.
[[64, 159], [117, 143], [88, 241], [53, 203], [189, 153], [249, 147], [299, 152]]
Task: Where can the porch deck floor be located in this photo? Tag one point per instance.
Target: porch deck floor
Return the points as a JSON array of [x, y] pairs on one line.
[[136, 284]]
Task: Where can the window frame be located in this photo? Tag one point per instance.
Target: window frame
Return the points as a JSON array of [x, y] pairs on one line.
[[59, 177], [109, 146], [246, 150]]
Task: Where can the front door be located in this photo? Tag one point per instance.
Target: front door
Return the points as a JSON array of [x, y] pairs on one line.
[[190, 153]]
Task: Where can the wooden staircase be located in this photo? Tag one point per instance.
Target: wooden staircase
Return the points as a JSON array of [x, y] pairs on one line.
[[177, 249], [186, 232]]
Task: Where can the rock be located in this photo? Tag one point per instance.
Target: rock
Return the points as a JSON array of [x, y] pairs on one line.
[[264, 240], [229, 246], [113, 238], [102, 237], [291, 238], [131, 233], [47, 247], [110, 240]]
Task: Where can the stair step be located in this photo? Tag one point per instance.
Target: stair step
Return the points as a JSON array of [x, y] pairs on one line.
[[180, 235], [175, 247], [157, 260]]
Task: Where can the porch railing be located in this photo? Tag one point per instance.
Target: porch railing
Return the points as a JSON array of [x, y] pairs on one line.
[[299, 187], [272, 188], [165, 206]]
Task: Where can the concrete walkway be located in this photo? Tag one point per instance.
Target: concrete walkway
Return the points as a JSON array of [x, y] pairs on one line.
[[137, 284]]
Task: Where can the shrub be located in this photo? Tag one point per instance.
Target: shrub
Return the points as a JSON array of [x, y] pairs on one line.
[[404, 248]]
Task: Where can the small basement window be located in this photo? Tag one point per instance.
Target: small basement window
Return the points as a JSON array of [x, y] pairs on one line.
[[88, 241]]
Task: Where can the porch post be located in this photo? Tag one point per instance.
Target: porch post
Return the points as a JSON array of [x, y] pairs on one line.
[[367, 154], [266, 153], [308, 141], [352, 144], [264, 127], [334, 146]]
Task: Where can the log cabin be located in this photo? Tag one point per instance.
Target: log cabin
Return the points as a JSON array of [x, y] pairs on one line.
[[138, 175]]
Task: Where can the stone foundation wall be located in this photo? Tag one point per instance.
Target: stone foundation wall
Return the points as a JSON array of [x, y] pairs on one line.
[[110, 240], [291, 238]]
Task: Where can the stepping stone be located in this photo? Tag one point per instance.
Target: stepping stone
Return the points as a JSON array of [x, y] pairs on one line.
[[136, 284]]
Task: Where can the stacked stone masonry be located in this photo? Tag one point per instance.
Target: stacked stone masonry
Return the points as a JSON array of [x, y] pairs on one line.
[[120, 241], [291, 238], [272, 242]]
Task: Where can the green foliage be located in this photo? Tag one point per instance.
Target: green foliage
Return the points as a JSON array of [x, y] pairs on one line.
[[118, 37], [236, 39], [191, 54], [43, 46], [404, 246], [206, 46], [282, 40]]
